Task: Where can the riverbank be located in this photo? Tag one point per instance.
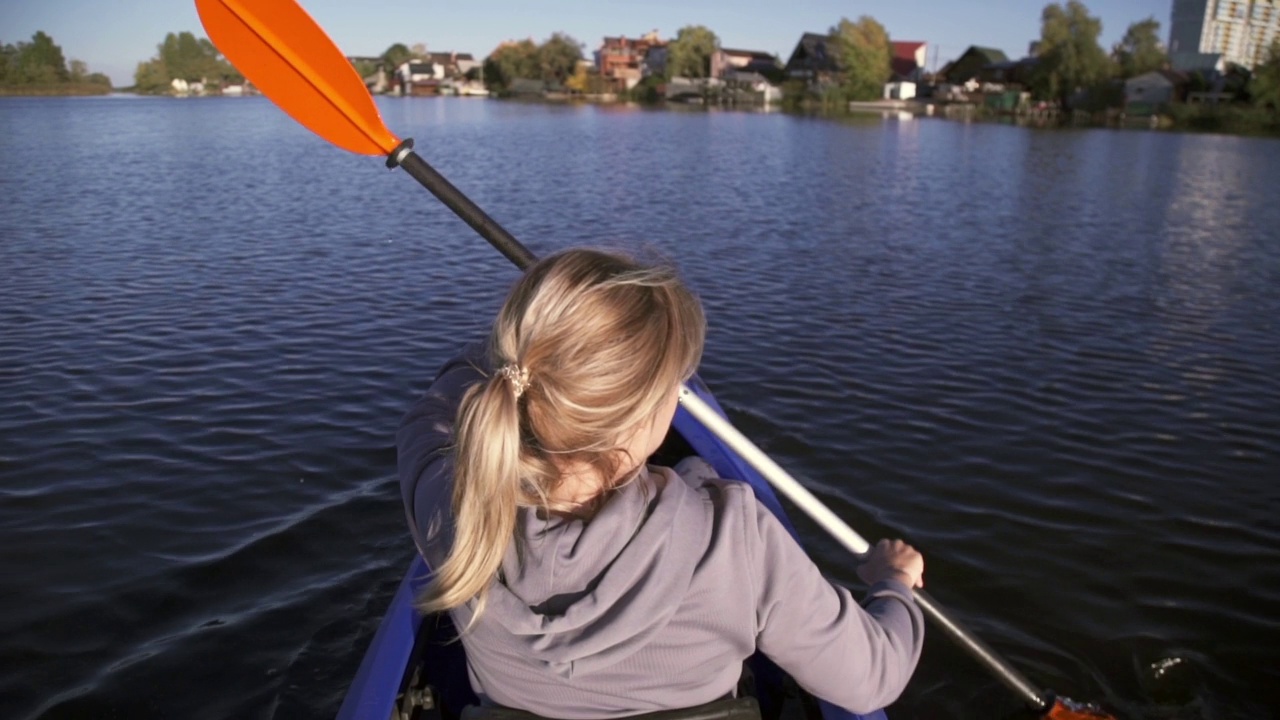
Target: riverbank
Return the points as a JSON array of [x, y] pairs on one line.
[[1230, 119], [55, 90], [1222, 119]]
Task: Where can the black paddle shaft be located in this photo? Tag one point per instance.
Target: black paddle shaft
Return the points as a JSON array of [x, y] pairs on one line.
[[462, 206]]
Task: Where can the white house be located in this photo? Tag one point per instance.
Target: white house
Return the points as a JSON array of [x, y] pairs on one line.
[[755, 82], [899, 90]]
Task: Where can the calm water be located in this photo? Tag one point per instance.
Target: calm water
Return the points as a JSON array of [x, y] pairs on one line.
[[1050, 359]]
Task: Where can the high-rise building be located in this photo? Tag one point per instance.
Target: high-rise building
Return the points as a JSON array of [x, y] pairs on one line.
[[1239, 31]]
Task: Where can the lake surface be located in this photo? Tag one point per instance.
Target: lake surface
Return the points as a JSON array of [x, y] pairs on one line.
[[1051, 360]]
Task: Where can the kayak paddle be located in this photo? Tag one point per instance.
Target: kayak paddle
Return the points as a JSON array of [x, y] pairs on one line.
[[279, 48]]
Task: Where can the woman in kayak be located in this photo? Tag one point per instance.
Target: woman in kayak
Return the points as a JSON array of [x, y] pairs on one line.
[[588, 584]]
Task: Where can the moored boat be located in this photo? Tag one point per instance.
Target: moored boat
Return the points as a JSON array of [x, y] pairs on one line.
[[413, 668]]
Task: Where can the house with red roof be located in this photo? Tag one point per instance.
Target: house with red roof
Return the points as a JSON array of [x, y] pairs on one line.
[[623, 61], [908, 60]]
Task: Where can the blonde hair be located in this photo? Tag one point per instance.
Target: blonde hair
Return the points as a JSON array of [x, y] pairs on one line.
[[601, 341]]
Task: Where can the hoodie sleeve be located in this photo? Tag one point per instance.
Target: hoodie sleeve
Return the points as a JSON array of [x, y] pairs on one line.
[[859, 659], [422, 454]]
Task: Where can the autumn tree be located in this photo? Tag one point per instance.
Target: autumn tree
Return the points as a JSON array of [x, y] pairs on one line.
[[587, 80], [864, 57], [558, 58], [1070, 57], [1140, 50], [689, 55], [580, 80]]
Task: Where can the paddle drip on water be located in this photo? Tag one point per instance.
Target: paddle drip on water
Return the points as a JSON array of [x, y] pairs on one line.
[[281, 50]]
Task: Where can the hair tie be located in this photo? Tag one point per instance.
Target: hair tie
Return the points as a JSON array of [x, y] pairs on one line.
[[518, 376]]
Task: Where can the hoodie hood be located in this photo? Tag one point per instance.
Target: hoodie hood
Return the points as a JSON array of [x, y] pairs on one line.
[[583, 595]]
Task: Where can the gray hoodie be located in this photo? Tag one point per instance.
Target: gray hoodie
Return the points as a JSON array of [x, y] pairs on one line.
[[655, 602]]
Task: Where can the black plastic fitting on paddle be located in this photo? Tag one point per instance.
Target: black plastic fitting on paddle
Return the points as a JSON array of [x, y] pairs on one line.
[[395, 156], [461, 205]]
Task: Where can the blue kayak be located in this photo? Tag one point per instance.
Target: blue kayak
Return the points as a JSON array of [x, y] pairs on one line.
[[410, 652]]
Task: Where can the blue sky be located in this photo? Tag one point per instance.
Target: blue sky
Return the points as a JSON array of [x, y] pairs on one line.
[[113, 36]]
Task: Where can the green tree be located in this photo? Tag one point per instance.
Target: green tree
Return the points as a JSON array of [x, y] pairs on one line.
[[186, 57], [365, 68], [1140, 50], [864, 56], [509, 62], [1070, 57], [558, 58], [689, 55], [396, 55], [181, 56], [151, 76], [39, 62], [1264, 86], [8, 62]]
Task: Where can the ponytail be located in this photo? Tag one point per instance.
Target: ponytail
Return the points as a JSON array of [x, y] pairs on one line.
[[486, 495], [586, 347]]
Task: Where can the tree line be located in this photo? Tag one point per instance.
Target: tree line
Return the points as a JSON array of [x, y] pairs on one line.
[[862, 47], [183, 56], [40, 66], [1070, 60], [554, 60], [394, 56], [558, 61]]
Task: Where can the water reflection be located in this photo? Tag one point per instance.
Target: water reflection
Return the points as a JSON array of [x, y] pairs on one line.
[[1209, 240]]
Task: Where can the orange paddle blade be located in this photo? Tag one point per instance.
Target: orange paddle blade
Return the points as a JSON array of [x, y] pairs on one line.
[[1064, 709], [282, 51]]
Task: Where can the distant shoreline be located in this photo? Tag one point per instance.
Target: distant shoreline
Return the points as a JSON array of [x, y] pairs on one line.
[[59, 90], [1230, 120]]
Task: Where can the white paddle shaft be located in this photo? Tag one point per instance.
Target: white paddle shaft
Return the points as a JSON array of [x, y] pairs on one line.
[[852, 541], [777, 477]]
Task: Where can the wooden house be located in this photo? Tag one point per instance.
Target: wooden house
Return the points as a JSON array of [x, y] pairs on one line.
[[970, 63], [813, 60]]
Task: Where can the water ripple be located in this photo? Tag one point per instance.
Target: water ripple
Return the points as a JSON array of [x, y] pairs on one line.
[[1051, 360]]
